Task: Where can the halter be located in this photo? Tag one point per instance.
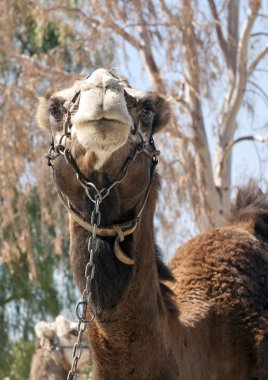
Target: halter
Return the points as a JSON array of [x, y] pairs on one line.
[[54, 345], [119, 230]]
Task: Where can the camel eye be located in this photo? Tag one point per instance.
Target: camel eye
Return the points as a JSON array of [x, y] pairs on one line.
[[147, 111], [74, 332], [55, 111]]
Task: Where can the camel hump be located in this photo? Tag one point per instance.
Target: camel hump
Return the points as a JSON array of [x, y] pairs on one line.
[[250, 208]]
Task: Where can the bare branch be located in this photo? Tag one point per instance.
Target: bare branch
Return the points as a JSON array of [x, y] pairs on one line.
[[254, 92], [257, 34], [262, 15], [202, 159], [241, 73], [232, 27], [263, 93], [231, 144], [221, 39], [257, 60], [154, 72], [179, 99], [175, 19], [147, 52], [65, 8], [148, 24], [109, 23], [246, 31]]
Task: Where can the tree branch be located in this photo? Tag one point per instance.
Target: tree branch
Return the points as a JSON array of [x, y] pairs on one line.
[[231, 144], [246, 31], [108, 22], [217, 23], [146, 50], [257, 34], [257, 60], [170, 14], [65, 8], [263, 93], [202, 159], [229, 124], [232, 27]]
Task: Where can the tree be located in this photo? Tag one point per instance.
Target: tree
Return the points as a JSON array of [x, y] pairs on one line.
[[37, 50]]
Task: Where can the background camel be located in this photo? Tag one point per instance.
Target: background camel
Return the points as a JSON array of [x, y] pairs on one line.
[[211, 321], [53, 357]]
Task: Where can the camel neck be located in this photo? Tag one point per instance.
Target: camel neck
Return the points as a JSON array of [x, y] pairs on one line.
[[130, 309], [122, 336]]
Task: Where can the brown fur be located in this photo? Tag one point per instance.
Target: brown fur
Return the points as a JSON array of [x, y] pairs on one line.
[[211, 322], [222, 295]]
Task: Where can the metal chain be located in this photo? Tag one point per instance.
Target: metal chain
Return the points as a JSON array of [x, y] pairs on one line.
[[81, 307]]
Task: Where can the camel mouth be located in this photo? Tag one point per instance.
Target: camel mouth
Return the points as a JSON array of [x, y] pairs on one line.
[[100, 122], [102, 134]]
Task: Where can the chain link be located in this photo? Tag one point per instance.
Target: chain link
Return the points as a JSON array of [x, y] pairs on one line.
[[82, 305]]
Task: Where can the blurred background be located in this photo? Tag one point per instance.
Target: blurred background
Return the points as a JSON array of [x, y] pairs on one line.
[[208, 58]]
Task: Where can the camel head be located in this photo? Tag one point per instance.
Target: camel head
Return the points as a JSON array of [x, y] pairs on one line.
[[106, 115], [108, 123], [61, 335], [108, 120]]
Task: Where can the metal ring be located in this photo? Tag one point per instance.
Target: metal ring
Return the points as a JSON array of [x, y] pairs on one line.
[[81, 317]]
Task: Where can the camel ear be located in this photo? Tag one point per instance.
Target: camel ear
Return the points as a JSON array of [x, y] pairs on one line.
[[124, 81], [62, 325], [42, 113], [44, 330], [163, 113]]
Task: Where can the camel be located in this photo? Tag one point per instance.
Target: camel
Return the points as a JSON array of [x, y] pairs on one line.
[[205, 317], [53, 356]]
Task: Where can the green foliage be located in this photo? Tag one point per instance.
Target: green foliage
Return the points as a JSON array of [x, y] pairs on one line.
[[37, 38], [21, 353], [23, 301]]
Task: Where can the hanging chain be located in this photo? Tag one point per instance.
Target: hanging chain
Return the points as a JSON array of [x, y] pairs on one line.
[[81, 307]]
